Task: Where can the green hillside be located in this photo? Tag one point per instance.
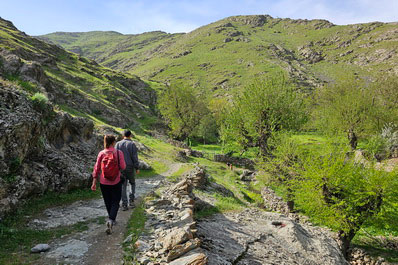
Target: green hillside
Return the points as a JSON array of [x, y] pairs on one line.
[[111, 48], [232, 52], [73, 83]]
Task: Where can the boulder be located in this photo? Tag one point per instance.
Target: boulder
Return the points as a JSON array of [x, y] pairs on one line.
[[175, 237]]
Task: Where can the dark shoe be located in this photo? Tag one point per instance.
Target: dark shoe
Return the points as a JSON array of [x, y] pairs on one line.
[[109, 225], [125, 208], [132, 204]]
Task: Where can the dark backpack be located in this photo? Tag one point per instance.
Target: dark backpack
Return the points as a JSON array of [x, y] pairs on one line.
[[110, 165]]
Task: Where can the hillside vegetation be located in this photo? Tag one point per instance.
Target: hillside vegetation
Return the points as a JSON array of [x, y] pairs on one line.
[[73, 83], [232, 52]]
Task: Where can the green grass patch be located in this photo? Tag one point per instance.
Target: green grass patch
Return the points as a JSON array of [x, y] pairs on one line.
[[182, 170], [158, 167], [135, 227]]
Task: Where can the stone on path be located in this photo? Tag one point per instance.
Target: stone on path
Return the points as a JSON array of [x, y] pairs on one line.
[[40, 248]]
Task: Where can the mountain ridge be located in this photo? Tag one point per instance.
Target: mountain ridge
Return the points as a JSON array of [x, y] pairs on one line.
[[231, 52]]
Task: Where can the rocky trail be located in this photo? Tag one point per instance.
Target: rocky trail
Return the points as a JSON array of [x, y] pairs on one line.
[[91, 246]]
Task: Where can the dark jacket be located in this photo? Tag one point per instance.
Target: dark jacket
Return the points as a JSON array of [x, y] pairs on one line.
[[130, 152]]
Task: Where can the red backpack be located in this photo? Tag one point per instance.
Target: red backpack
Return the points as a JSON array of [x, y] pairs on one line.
[[110, 165]]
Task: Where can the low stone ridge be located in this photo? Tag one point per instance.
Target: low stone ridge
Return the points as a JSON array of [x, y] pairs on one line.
[[173, 237]]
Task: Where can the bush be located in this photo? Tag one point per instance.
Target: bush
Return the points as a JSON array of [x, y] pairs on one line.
[[376, 147], [336, 192], [40, 101]]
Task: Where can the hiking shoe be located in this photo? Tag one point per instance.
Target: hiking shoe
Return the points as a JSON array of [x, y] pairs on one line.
[[132, 205], [125, 208], [109, 225]]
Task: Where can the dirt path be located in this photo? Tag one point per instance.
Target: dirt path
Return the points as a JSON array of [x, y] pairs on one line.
[[91, 246]]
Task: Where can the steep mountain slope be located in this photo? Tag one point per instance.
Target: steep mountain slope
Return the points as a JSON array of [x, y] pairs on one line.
[[42, 147], [234, 51], [70, 81]]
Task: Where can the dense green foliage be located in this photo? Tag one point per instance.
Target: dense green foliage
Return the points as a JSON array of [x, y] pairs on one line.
[[334, 188], [261, 110], [356, 108], [186, 113]]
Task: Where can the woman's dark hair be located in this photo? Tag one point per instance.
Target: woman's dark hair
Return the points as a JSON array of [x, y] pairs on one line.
[[108, 140]]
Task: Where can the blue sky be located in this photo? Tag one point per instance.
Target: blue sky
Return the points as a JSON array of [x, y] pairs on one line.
[[37, 17]]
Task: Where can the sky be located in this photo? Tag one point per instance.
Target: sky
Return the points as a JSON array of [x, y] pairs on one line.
[[36, 17]]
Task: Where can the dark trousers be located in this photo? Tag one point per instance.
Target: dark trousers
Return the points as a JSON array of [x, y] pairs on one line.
[[112, 195], [128, 176]]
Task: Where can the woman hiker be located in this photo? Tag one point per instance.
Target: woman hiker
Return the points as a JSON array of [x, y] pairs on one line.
[[107, 168]]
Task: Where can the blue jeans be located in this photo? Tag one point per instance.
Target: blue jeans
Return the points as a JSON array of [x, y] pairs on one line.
[[128, 176]]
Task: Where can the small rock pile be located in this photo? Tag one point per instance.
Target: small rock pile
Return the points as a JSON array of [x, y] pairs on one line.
[[358, 256], [183, 154], [248, 175], [272, 202], [173, 238]]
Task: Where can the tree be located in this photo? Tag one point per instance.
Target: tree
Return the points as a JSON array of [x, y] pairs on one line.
[[260, 110], [183, 110], [343, 195], [348, 107]]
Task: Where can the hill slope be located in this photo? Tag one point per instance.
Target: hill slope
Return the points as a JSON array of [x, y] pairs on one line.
[[72, 82], [53, 105], [233, 51]]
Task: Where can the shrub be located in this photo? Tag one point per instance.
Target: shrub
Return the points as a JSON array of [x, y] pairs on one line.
[[40, 101], [336, 192]]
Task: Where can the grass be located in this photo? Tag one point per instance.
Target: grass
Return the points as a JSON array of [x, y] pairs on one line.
[[135, 227], [182, 170], [17, 239], [158, 167]]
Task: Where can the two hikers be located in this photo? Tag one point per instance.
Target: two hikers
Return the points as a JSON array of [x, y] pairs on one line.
[[115, 168], [107, 168], [130, 152]]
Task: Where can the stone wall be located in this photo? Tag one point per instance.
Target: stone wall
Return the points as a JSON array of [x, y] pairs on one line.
[[241, 162], [170, 219]]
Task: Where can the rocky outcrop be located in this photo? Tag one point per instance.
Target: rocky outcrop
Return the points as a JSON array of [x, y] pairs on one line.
[[40, 149], [309, 54], [258, 237]]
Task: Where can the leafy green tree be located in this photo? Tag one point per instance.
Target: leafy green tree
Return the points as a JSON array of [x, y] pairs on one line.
[[348, 107], [183, 110], [207, 130], [337, 192], [260, 110], [385, 91]]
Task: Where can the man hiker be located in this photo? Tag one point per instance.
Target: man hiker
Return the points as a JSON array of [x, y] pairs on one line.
[[130, 152]]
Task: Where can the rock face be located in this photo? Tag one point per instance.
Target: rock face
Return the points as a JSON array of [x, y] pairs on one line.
[[250, 237], [40, 150]]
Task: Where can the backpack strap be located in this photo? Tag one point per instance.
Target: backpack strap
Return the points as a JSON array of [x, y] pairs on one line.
[[118, 160]]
